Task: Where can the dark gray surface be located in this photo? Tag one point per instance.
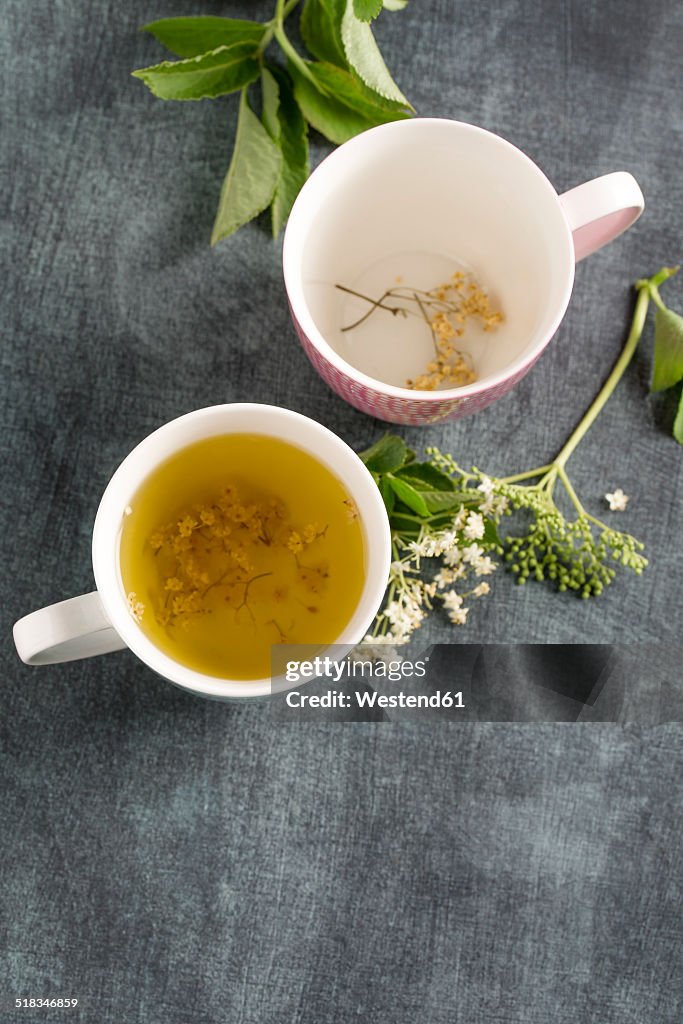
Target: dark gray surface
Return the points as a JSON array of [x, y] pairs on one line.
[[165, 859]]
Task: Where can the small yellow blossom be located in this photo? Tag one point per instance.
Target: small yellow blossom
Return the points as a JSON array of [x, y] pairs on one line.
[[135, 607], [186, 525], [181, 544], [241, 558], [295, 543]]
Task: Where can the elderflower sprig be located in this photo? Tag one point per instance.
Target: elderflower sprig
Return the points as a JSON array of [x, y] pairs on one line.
[[444, 539], [573, 554], [415, 588], [438, 510]]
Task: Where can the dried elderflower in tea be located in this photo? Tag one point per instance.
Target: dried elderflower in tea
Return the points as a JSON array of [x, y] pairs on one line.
[[237, 543]]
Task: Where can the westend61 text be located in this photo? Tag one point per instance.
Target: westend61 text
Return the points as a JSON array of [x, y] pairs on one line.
[[371, 699]]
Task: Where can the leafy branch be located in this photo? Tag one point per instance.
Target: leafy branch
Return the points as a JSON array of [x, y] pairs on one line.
[[346, 89]]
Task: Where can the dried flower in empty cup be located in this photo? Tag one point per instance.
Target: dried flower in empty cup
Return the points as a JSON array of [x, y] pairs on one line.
[[446, 310]]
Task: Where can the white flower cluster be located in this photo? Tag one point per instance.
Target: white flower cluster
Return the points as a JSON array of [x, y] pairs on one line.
[[411, 596], [493, 504]]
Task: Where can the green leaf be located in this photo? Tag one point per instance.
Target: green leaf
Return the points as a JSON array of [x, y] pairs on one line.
[[386, 455], [424, 476], [252, 176], [286, 125], [217, 73], [387, 494], [190, 37], [491, 535], [362, 53], [320, 26], [408, 495], [440, 501], [394, 5], [668, 358], [406, 527], [270, 101], [678, 422], [366, 10], [339, 105]]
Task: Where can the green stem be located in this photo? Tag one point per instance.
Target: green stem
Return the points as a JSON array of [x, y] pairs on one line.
[[288, 8], [570, 491], [289, 50], [525, 476], [656, 297], [639, 315], [265, 42], [659, 278], [547, 484]]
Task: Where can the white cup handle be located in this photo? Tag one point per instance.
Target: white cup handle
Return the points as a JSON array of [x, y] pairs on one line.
[[600, 210], [73, 629]]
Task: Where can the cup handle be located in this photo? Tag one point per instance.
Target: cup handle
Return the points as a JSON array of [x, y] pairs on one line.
[[67, 631], [600, 210]]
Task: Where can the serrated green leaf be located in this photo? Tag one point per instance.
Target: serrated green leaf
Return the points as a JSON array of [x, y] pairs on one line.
[[252, 176], [366, 10], [339, 105], [190, 37], [320, 26], [328, 116], [362, 53], [217, 73], [286, 125], [678, 422], [386, 455], [388, 495], [424, 476], [668, 358], [408, 495], [394, 5]]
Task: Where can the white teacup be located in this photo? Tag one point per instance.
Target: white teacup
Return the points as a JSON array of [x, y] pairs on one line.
[[101, 621], [416, 200]]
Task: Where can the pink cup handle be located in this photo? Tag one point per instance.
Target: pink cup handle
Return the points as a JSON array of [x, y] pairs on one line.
[[600, 210]]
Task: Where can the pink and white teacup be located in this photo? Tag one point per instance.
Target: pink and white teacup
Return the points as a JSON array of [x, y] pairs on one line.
[[410, 202]]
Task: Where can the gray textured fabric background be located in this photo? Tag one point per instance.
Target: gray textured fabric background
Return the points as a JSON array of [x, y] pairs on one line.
[[170, 860]]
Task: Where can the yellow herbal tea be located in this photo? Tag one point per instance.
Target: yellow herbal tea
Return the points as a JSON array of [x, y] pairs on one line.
[[236, 543]]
